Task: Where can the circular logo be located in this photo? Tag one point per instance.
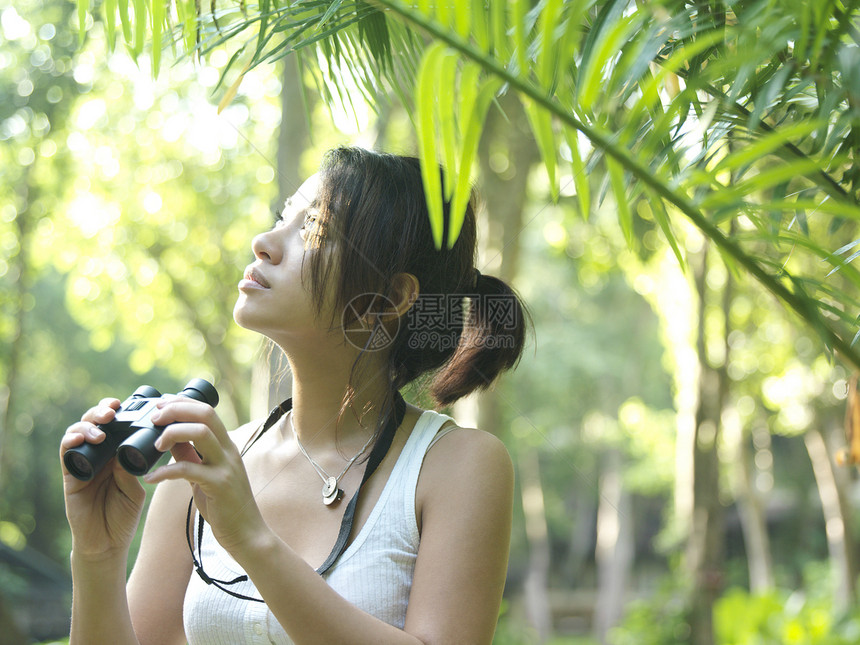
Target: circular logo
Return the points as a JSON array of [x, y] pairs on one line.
[[369, 322]]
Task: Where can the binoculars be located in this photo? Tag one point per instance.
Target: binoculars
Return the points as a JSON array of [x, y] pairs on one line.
[[131, 435]]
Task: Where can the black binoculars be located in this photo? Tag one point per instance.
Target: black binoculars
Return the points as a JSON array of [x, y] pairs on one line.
[[131, 435]]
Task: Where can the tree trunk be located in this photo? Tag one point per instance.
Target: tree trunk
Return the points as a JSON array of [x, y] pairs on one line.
[[840, 542], [750, 500], [20, 269], [504, 180], [615, 547], [704, 549], [537, 578], [751, 506]]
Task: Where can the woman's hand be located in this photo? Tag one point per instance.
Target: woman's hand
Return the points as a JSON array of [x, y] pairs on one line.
[[206, 456], [104, 512]]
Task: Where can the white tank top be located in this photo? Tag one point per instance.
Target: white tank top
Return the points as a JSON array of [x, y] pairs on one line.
[[374, 573]]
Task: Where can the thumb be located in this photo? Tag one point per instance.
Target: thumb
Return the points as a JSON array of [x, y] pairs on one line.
[[127, 483]]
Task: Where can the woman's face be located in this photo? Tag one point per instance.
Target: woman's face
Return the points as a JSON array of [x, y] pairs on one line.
[[272, 297]]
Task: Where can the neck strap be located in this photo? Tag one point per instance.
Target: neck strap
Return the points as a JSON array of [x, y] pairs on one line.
[[377, 454]]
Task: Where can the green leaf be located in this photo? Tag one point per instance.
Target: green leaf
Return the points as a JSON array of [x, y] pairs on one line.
[[547, 60], [469, 147], [110, 23], [619, 188], [541, 124], [499, 28], [610, 14], [425, 103], [463, 18], [658, 208], [83, 5], [519, 10], [125, 21], [580, 176], [591, 79], [157, 10], [140, 19], [445, 102], [766, 145]]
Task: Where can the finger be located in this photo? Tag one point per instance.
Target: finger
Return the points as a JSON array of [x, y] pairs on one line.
[[79, 432], [196, 473], [185, 452], [128, 484], [104, 412], [185, 410], [197, 435]]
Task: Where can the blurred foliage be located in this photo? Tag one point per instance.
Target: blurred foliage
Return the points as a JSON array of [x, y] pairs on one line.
[[690, 108], [777, 617]]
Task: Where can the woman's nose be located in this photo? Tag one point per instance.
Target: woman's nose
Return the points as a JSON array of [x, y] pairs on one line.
[[266, 248]]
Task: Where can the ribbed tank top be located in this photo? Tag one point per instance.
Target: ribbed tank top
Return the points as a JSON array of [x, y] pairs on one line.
[[374, 573]]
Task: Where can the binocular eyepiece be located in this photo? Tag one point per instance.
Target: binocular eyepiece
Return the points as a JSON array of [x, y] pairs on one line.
[[131, 435]]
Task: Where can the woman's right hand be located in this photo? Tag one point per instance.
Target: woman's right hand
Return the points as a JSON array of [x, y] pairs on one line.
[[104, 512]]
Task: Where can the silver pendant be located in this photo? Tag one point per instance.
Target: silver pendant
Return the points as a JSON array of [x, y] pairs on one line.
[[330, 492], [329, 487]]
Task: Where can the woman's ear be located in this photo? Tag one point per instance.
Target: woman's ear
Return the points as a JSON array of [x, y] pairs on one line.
[[404, 292]]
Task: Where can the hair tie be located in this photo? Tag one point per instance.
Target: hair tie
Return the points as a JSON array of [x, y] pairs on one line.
[[476, 278]]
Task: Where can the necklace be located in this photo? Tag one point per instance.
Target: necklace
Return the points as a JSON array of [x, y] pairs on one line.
[[330, 490]]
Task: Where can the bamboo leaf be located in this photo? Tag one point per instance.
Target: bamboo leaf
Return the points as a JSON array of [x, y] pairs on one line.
[[762, 181], [519, 10], [110, 22], [541, 124], [658, 209], [580, 176], [547, 60], [125, 20], [157, 11], [591, 78], [498, 28], [463, 18], [469, 147], [232, 90], [82, 7], [625, 214], [140, 20], [445, 102], [425, 104], [765, 145]]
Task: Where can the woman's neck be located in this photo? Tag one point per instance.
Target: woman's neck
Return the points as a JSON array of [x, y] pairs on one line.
[[322, 375]]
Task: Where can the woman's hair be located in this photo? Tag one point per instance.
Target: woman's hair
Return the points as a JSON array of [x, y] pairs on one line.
[[466, 327]]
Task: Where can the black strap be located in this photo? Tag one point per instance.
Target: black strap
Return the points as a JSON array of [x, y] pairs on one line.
[[376, 456], [380, 449]]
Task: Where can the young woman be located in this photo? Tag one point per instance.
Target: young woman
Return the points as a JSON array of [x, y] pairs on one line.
[[349, 285]]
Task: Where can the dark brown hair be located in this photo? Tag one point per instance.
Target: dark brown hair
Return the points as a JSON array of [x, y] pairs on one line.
[[464, 326]]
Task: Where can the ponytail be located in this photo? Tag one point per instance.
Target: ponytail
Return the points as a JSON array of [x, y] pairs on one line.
[[492, 341]]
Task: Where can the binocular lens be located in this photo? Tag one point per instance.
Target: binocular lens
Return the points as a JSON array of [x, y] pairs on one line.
[[133, 460], [79, 466]]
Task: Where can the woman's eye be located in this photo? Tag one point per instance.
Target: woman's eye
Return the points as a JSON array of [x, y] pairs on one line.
[[278, 219], [310, 221]]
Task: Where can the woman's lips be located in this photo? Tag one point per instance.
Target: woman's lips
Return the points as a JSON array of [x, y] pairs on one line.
[[253, 280]]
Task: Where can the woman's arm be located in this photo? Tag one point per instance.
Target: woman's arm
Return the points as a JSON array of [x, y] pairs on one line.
[[157, 585], [465, 502], [103, 515]]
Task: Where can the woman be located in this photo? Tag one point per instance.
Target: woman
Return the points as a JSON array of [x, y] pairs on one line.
[[350, 286]]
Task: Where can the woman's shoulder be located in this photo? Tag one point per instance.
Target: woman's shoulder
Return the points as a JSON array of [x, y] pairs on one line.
[[463, 458], [467, 476], [245, 433]]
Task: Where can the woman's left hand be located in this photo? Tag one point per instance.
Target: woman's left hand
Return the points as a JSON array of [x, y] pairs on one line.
[[207, 458]]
